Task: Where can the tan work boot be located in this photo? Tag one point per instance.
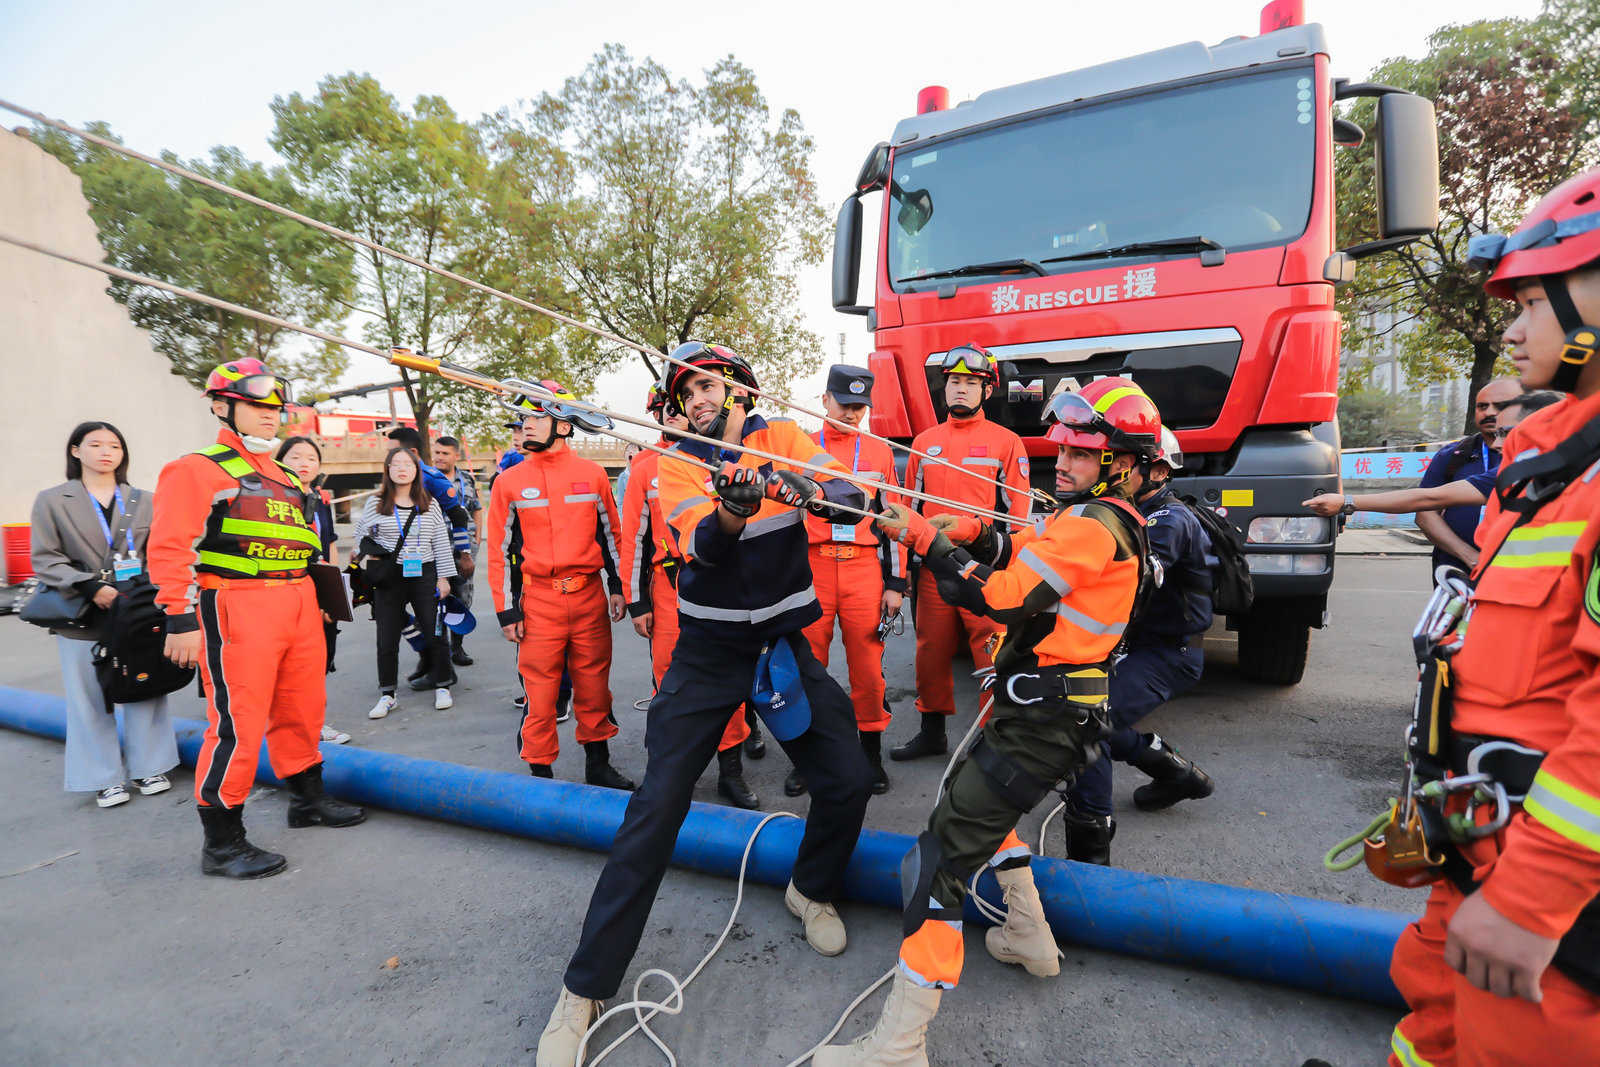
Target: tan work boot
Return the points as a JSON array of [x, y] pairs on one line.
[[824, 928], [899, 1039], [1025, 938], [563, 1034]]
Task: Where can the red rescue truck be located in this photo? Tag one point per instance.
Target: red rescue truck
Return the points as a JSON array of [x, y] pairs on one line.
[[1167, 217]]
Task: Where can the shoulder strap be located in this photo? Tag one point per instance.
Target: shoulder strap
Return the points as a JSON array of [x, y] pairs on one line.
[[1460, 455], [405, 530], [232, 464]]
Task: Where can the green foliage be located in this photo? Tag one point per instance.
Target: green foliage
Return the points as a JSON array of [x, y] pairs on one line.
[[1517, 102], [677, 211], [182, 232], [1371, 418]]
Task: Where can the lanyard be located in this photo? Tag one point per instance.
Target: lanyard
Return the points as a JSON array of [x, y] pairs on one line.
[[855, 464], [105, 527]]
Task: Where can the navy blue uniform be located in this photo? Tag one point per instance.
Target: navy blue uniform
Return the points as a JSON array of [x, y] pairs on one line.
[[1165, 654], [1481, 465]]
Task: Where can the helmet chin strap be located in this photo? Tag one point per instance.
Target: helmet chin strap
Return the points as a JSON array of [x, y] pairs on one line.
[[1578, 347], [258, 446], [555, 434], [1102, 484]]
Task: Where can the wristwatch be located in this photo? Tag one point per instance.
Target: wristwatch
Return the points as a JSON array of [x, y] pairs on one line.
[[1349, 505]]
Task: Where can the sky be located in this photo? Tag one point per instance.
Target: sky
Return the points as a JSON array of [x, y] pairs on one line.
[[185, 77]]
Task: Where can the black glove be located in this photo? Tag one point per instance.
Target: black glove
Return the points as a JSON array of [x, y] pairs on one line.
[[795, 490], [739, 489]]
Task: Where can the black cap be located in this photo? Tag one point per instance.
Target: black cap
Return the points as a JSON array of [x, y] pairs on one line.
[[850, 385]]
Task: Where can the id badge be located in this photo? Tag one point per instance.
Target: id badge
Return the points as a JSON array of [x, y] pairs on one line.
[[844, 531], [410, 567], [123, 569]]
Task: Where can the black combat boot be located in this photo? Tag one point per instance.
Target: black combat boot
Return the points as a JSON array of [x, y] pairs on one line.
[[872, 745], [458, 652], [541, 770], [227, 853], [422, 677], [795, 784], [1175, 777], [754, 746], [598, 770], [310, 805], [730, 780], [929, 740], [1089, 836]]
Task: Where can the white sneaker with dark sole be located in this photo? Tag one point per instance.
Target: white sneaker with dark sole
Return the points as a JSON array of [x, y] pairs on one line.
[[112, 796], [442, 700], [156, 783], [383, 707]]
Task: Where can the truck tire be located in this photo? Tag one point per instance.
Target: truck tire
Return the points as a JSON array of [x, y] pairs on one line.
[[1273, 643]]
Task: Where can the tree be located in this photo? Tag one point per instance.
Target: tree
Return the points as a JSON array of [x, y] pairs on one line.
[[184, 233], [1372, 418], [418, 182], [677, 211], [1516, 115]]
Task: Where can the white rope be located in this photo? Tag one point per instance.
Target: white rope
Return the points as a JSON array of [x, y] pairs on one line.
[[345, 235]]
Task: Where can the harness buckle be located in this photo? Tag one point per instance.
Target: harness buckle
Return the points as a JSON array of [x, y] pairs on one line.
[[1011, 690]]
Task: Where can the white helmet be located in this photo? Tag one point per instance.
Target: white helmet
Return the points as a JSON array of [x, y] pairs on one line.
[[1171, 453]]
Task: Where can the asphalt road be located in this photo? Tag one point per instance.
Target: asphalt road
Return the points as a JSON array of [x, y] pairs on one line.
[[406, 941]]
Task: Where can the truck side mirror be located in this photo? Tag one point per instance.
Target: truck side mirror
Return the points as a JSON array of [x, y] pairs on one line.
[[847, 258], [1407, 165]]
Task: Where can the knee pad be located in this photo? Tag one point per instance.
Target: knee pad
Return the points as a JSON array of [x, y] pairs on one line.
[[917, 871], [1010, 783]]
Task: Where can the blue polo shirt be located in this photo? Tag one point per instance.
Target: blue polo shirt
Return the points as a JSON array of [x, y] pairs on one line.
[[1482, 464]]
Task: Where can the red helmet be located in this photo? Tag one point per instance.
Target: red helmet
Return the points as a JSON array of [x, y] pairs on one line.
[[1109, 413], [1561, 234], [970, 358], [655, 401], [248, 379]]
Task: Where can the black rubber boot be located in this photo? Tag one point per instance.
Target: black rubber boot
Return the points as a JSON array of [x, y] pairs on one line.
[[310, 805], [598, 770], [754, 746], [226, 852], [872, 745], [541, 770], [795, 784], [1089, 837], [730, 780], [422, 677], [927, 741], [1175, 777]]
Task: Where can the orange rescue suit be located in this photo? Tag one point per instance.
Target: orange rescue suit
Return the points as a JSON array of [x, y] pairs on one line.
[[852, 565], [561, 505], [980, 446], [228, 550], [1528, 671]]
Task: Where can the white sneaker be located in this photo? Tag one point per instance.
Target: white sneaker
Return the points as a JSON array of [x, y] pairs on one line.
[[111, 797], [338, 737], [156, 783], [441, 700], [383, 707]]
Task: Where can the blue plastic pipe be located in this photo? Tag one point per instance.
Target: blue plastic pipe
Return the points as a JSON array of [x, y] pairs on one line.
[[1334, 949]]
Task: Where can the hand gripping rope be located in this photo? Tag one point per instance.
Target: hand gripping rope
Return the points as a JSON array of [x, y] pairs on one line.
[[1037, 496]]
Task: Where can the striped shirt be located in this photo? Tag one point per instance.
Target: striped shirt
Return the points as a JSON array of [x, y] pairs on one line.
[[430, 533]]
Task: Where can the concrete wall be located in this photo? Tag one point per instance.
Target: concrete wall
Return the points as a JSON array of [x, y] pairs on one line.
[[68, 351]]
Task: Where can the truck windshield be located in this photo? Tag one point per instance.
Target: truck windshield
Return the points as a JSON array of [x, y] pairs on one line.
[[1230, 160]]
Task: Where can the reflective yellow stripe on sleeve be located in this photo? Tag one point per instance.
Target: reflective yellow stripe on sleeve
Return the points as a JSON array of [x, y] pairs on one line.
[[1566, 809]]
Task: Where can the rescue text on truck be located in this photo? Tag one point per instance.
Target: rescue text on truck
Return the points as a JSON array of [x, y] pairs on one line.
[[1168, 218]]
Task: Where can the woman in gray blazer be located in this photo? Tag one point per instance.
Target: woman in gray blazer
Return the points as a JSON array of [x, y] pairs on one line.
[[74, 527]]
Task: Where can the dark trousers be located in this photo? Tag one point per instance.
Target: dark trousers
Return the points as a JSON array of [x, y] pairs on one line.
[[389, 606], [708, 680], [1147, 677]]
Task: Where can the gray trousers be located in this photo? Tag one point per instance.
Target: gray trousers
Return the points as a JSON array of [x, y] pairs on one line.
[[94, 758]]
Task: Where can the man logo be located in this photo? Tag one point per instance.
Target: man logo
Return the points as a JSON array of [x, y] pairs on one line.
[[1019, 391]]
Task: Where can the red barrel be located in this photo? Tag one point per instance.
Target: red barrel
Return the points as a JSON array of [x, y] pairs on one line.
[[18, 549]]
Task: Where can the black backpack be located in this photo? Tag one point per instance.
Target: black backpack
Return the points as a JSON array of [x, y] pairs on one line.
[[1232, 592], [129, 660]]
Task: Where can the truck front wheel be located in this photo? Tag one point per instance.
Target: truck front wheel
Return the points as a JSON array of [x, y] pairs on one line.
[[1274, 639]]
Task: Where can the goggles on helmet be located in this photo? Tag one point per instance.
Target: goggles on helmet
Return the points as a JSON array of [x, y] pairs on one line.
[[1486, 250], [261, 388], [968, 359], [1075, 412]]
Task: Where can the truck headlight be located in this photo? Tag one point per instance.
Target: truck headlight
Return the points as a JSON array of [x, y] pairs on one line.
[[1288, 530], [1283, 563]]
